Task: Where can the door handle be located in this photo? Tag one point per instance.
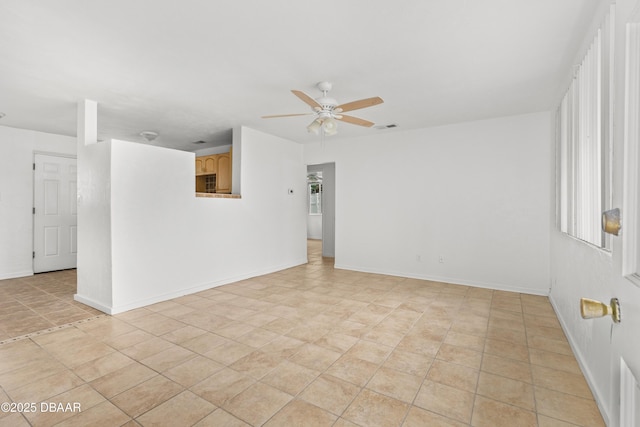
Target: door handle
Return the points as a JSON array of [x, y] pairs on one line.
[[591, 309], [611, 221]]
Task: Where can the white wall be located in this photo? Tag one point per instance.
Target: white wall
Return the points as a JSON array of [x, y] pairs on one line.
[[476, 194], [94, 286], [580, 270], [165, 242], [17, 148], [314, 226], [212, 150]]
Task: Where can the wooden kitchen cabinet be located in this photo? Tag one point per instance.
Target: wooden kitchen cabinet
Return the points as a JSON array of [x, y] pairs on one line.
[[215, 164], [223, 175], [206, 165]]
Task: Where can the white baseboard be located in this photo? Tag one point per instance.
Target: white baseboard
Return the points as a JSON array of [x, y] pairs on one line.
[[452, 280], [92, 303], [16, 274], [197, 288]]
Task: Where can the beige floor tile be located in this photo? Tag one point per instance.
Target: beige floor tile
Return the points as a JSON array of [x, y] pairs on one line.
[[257, 404], [104, 414], [509, 368], [395, 384], [537, 320], [507, 334], [222, 386], [122, 379], [341, 422], [14, 419], [204, 343], [544, 421], [193, 371], [352, 369], [454, 375], [373, 409], [491, 413], [301, 413], [168, 358], [566, 407], [336, 342], [128, 339], [144, 396], [32, 371], [383, 333], [220, 417], [419, 417], [102, 366], [562, 381], [229, 352], [330, 393], [459, 339], [256, 364], [420, 345], [258, 337], [147, 348], [550, 345], [444, 400], [290, 377], [45, 388], [546, 332], [555, 360], [314, 357], [460, 356], [506, 349], [186, 333], [506, 390], [369, 351], [187, 406], [85, 396], [410, 363]]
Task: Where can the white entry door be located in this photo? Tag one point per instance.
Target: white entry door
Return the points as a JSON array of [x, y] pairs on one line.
[[55, 216]]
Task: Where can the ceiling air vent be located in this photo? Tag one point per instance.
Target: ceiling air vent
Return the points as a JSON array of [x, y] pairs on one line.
[[389, 126]]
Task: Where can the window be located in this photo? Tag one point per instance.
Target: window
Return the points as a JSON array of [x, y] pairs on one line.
[[314, 184], [583, 137]]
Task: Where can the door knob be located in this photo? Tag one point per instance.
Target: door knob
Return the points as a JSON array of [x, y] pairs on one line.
[[611, 221], [590, 309]]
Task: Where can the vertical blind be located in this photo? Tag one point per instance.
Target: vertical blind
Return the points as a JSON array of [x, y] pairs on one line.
[[583, 138]]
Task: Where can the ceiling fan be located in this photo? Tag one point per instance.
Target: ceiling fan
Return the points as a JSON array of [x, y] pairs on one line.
[[327, 111]]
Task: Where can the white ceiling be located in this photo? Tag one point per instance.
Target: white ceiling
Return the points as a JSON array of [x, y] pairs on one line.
[[193, 69]]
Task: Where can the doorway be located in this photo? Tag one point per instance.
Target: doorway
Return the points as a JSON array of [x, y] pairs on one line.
[[55, 214], [327, 188]]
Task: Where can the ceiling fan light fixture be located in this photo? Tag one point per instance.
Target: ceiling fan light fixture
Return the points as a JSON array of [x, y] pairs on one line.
[[330, 126], [315, 126]]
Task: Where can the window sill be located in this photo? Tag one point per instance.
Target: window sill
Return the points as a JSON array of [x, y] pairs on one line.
[[218, 196]]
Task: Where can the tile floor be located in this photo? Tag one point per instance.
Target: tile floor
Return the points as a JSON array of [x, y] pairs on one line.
[[308, 346]]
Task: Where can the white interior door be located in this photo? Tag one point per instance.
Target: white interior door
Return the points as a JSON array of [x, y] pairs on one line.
[[55, 216]]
